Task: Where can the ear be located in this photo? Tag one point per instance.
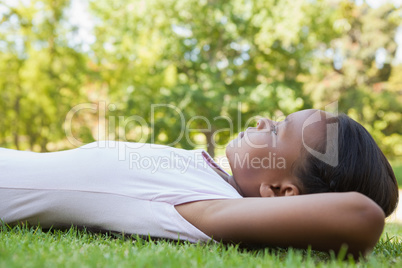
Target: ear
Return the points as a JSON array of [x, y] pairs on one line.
[[289, 189], [273, 190], [267, 190]]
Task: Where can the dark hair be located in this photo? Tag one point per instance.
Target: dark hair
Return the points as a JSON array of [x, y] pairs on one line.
[[361, 167]]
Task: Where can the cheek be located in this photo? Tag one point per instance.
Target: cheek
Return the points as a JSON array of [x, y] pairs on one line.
[[284, 157], [249, 153]]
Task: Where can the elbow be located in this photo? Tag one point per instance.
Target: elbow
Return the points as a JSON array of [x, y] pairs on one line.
[[369, 223], [375, 218]]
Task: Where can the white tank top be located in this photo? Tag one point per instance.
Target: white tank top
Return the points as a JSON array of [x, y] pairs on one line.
[[117, 186]]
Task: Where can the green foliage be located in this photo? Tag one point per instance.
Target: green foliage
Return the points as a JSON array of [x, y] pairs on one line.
[[348, 71], [40, 74], [32, 247], [205, 58], [202, 58], [397, 167]]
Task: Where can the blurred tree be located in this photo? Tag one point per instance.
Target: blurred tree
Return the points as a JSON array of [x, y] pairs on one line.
[[355, 69], [205, 57], [41, 72], [194, 72]]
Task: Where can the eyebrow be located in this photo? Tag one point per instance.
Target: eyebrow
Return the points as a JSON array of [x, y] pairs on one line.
[[288, 118], [285, 120]]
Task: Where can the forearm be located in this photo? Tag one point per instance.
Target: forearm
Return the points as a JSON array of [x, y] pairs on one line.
[[324, 221]]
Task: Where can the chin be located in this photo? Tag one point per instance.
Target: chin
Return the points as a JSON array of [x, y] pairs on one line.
[[227, 150], [229, 153], [233, 144], [231, 147]]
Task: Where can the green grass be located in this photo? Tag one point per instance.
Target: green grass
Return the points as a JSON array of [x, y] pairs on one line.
[[30, 247]]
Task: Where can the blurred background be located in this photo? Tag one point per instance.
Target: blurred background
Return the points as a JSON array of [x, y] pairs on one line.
[[215, 59]]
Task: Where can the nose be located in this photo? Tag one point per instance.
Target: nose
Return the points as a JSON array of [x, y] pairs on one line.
[[264, 123]]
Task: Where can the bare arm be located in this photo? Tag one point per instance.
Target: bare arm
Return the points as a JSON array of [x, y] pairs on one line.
[[324, 221]]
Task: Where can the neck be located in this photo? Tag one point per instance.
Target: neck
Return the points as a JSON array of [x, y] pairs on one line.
[[229, 179], [232, 182]]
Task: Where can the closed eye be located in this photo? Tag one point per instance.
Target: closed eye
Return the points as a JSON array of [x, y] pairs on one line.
[[274, 129], [276, 126]]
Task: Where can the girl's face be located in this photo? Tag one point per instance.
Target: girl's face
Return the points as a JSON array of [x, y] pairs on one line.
[[262, 157]]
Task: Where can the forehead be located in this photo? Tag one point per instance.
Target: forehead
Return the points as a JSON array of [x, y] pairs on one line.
[[308, 125], [305, 118], [304, 114]]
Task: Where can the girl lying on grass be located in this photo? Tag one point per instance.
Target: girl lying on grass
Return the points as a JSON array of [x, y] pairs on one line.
[[334, 183]]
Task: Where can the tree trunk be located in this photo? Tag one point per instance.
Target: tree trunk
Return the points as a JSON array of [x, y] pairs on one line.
[[210, 143], [16, 124], [43, 144]]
